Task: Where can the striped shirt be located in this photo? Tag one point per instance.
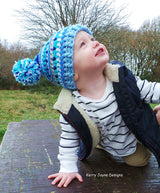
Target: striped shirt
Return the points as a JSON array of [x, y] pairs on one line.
[[115, 136]]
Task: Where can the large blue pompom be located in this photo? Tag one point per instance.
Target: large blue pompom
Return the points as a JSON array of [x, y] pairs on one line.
[[27, 72]]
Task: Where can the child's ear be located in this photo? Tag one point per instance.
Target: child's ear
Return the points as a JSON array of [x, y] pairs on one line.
[[76, 77]]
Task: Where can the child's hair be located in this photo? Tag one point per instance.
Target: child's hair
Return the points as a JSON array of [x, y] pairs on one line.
[[54, 61]]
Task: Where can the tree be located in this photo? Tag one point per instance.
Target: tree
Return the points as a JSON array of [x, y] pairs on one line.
[[41, 18], [146, 50]]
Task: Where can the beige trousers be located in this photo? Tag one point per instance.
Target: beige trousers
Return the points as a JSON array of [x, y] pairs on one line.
[[139, 158]]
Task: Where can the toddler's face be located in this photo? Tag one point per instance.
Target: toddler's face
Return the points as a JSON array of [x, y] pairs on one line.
[[89, 54]]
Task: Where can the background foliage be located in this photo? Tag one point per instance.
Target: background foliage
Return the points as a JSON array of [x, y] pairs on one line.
[[139, 50]]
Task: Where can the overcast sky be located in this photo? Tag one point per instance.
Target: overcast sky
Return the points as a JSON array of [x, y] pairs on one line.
[[139, 10]]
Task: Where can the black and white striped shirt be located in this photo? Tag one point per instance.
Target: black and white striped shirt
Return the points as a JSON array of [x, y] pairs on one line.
[[115, 136]]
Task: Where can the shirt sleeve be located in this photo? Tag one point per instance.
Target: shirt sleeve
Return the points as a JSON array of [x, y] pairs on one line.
[[68, 147], [149, 91]]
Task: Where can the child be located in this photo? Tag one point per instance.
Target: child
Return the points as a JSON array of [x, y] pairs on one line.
[[101, 103]]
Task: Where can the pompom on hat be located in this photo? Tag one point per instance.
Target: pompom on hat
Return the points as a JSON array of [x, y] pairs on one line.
[[54, 61]]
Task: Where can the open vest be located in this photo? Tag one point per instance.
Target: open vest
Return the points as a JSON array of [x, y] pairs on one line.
[[137, 115]]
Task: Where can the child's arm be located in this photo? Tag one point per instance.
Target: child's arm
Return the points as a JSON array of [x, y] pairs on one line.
[[64, 179], [68, 150], [150, 91], [157, 111]]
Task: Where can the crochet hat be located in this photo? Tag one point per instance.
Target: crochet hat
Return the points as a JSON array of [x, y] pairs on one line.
[[54, 61]]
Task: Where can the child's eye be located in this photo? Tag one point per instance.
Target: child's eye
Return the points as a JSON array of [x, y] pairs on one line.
[[82, 44], [92, 39]]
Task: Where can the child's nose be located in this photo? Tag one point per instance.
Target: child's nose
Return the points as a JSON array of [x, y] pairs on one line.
[[95, 43]]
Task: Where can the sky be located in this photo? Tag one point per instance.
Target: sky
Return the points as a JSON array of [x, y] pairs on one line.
[[138, 10], [9, 26]]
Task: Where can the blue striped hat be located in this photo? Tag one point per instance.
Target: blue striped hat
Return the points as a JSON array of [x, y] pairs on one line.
[[54, 61]]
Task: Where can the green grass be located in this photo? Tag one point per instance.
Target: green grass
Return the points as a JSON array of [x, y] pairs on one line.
[[18, 105]]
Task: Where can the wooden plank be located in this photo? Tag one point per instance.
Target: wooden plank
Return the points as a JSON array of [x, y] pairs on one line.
[[28, 155]]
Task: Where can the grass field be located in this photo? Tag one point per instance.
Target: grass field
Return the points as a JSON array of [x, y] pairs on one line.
[[18, 105]]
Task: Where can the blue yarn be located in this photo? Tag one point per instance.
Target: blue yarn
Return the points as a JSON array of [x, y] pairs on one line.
[[27, 72]]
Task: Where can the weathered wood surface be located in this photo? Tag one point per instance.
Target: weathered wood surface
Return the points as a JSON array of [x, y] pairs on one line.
[[28, 155]]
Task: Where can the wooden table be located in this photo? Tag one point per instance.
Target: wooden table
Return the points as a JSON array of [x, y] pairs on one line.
[[28, 155]]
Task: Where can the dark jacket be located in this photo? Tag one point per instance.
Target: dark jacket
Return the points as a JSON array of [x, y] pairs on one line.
[[137, 115]]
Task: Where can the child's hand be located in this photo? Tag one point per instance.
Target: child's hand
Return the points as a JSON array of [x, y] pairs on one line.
[[157, 111], [64, 178]]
